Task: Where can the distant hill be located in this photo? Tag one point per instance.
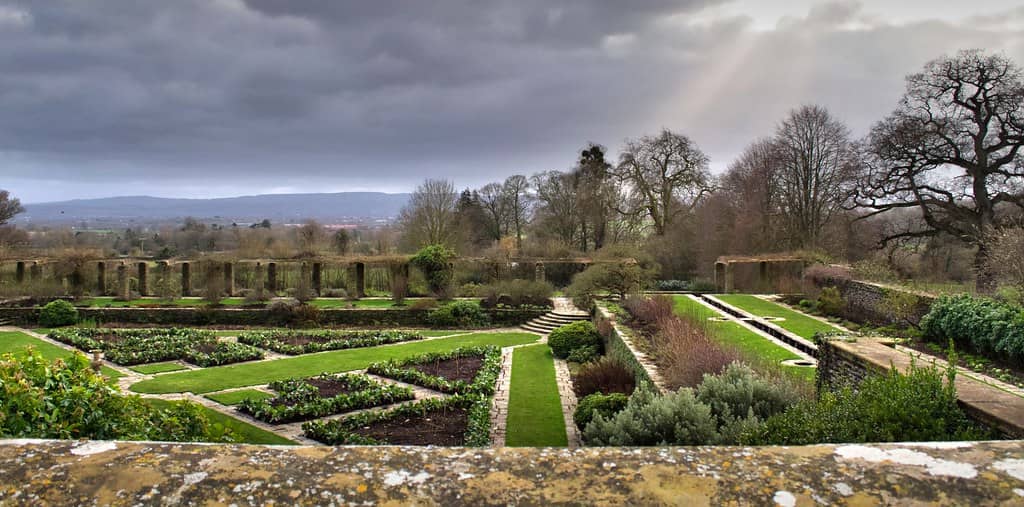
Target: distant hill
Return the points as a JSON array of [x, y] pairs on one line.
[[279, 208]]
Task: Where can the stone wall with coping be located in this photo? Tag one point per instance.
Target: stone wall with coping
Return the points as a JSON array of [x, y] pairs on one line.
[[261, 316], [867, 303], [143, 473], [619, 345]]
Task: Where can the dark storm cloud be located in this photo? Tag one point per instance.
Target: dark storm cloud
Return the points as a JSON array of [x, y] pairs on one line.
[[226, 96]]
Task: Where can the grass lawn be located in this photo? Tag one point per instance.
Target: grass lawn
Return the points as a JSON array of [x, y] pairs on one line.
[[244, 431], [225, 377], [749, 343], [151, 368], [236, 397], [795, 322], [16, 343], [534, 408]]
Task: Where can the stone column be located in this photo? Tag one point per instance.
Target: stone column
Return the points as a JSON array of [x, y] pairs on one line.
[[123, 291], [143, 282], [538, 272], [763, 283], [318, 277], [229, 278], [101, 277], [19, 272], [358, 275], [186, 279], [258, 277], [730, 279], [272, 277], [35, 271], [720, 277]]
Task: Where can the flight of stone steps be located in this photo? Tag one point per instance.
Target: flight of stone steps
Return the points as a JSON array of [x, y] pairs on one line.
[[564, 313]]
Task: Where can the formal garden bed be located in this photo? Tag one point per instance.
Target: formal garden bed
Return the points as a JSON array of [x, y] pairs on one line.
[[305, 341], [301, 399], [471, 370], [128, 347], [452, 421]]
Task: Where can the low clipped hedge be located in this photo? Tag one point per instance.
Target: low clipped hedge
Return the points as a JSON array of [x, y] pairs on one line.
[[299, 400], [58, 313], [483, 382], [341, 431], [336, 340], [981, 324], [598, 403], [141, 346], [571, 337]]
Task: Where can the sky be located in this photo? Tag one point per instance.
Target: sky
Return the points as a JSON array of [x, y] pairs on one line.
[[214, 98]]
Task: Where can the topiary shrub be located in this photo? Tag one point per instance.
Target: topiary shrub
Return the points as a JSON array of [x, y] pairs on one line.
[[58, 313], [459, 314], [569, 337], [606, 375], [598, 403]]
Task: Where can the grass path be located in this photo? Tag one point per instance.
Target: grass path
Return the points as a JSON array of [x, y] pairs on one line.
[[794, 322], [16, 343], [749, 343], [534, 408], [263, 372]]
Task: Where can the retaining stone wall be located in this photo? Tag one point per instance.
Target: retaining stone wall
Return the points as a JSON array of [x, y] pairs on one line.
[[866, 302], [619, 346]]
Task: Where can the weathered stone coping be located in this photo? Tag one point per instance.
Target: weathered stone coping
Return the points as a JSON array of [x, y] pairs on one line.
[[131, 473], [624, 335], [993, 406]]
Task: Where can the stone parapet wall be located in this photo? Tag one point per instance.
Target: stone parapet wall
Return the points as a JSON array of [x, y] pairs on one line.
[[866, 302], [848, 362], [260, 316], [141, 473]]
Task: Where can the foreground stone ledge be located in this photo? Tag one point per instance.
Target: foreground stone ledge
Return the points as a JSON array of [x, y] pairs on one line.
[[128, 473]]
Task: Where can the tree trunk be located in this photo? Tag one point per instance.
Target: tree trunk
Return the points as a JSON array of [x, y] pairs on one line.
[[985, 280]]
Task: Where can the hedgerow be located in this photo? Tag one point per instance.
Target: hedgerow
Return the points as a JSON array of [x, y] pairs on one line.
[[335, 340], [299, 400], [483, 382]]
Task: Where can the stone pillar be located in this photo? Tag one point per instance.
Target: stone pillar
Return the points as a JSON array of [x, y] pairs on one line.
[[538, 272], [19, 272], [763, 283], [258, 277], [318, 277], [186, 279], [272, 277], [229, 278], [101, 278], [730, 279], [123, 290], [35, 271], [143, 281], [358, 272], [720, 277]]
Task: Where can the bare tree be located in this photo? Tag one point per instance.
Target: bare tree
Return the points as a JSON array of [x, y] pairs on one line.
[[494, 202], [818, 166], [429, 218], [952, 150], [9, 207], [556, 213], [665, 176], [516, 194], [309, 237], [752, 182]]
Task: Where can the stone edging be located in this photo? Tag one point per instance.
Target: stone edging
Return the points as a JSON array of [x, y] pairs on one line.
[[642, 359]]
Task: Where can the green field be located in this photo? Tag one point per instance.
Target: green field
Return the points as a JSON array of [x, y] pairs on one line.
[[236, 397], [794, 322], [263, 372], [534, 408], [153, 368], [244, 431], [749, 343], [16, 343]]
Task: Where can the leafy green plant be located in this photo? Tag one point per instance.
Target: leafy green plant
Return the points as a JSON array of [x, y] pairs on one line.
[[570, 337], [598, 403], [58, 313], [459, 314], [129, 347], [322, 339], [984, 325], [483, 381], [435, 261], [298, 399], [341, 431], [648, 419]]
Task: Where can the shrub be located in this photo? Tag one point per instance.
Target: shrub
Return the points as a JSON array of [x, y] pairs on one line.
[[672, 285], [598, 403], [66, 399], [739, 393], [984, 325], [916, 407], [569, 337], [459, 314], [58, 313], [830, 302], [516, 293], [820, 275], [583, 354], [435, 263], [616, 278], [648, 419], [606, 375], [647, 312], [685, 350]]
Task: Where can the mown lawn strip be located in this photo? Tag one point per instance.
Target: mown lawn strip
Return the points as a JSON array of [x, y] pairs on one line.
[[534, 408]]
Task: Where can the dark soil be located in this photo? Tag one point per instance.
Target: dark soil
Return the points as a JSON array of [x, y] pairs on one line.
[[330, 388], [459, 368], [442, 427], [205, 348]]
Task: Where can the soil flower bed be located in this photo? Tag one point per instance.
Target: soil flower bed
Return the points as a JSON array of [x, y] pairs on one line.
[[296, 341], [468, 370], [128, 347], [453, 421], [307, 398]]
